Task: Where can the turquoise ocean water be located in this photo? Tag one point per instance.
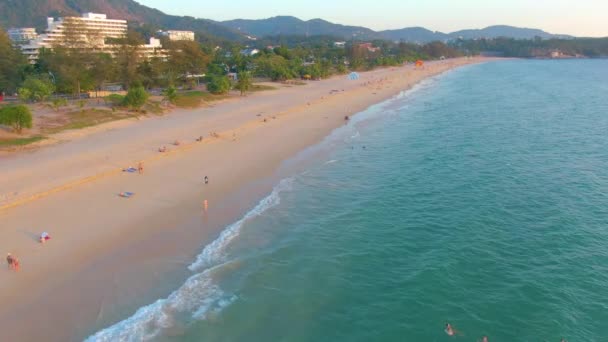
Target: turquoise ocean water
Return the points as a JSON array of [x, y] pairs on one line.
[[479, 198]]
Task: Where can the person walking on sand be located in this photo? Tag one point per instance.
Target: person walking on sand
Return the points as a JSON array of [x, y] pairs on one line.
[[15, 264], [9, 261], [140, 168], [206, 180]]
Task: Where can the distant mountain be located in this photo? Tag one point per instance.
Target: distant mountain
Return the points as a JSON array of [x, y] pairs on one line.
[[414, 35], [505, 31], [33, 13], [292, 26]]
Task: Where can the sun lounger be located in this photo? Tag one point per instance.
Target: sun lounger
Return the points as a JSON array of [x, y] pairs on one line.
[[130, 169]]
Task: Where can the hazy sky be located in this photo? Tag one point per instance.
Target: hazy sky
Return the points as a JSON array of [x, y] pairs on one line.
[[576, 17]]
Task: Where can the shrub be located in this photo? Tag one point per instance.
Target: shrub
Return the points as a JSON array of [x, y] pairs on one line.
[[35, 89], [17, 117], [115, 100], [136, 97], [218, 84], [170, 94], [244, 82], [59, 102]]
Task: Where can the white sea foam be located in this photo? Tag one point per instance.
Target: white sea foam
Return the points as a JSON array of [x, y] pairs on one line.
[[214, 252], [199, 297]]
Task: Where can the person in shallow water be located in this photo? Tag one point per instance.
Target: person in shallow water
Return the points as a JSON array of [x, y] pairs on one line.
[[449, 330]]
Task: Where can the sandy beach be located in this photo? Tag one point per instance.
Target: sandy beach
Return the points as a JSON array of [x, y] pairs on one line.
[[109, 255]]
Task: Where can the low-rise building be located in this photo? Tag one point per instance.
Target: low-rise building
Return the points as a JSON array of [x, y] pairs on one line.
[[22, 35], [154, 49], [250, 52], [369, 47], [174, 35]]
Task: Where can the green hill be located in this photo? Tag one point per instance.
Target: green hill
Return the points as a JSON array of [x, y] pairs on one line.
[[291, 26], [33, 13]]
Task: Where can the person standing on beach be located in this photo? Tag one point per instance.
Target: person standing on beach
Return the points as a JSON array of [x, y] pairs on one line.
[[15, 264], [140, 168], [9, 261], [206, 180]]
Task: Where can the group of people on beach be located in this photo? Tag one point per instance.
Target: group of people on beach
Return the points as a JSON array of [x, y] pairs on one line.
[[453, 332], [163, 149], [13, 261]]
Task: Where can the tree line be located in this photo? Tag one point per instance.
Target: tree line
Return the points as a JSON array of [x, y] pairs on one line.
[[531, 48], [75, 64]]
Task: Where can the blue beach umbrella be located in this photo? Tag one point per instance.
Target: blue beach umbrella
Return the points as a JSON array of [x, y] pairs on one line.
[[353, 76]]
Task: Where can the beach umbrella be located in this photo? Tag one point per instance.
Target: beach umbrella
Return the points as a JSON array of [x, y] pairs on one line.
[[353, 76]]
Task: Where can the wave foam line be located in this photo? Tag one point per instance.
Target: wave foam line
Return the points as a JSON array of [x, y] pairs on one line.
[[212, 254], [199, 297]]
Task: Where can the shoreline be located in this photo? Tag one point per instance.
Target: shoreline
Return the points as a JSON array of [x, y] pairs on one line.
[[90, 277]]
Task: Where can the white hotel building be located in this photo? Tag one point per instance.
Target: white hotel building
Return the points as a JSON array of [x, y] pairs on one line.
[[99, 23], [102, 27]]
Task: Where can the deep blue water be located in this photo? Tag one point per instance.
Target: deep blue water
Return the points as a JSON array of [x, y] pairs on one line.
[[479, 199]]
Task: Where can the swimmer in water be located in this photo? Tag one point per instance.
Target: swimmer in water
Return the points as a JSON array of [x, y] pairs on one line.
[[449, 330], [484, 339]]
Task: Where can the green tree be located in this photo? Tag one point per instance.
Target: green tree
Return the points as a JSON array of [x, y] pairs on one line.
[[170, 94], [72, 55], [36, 89], [244, 82], [17, 117], [128, 57], [103, 69], [147, 74], [11, 62], [276, 67], [187, 58], [136, 97], [218, 84]]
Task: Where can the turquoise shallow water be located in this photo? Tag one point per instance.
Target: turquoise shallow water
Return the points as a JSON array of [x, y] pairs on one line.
[[479, 199]]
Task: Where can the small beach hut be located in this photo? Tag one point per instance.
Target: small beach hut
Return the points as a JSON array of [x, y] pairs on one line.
[[353, 76]]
